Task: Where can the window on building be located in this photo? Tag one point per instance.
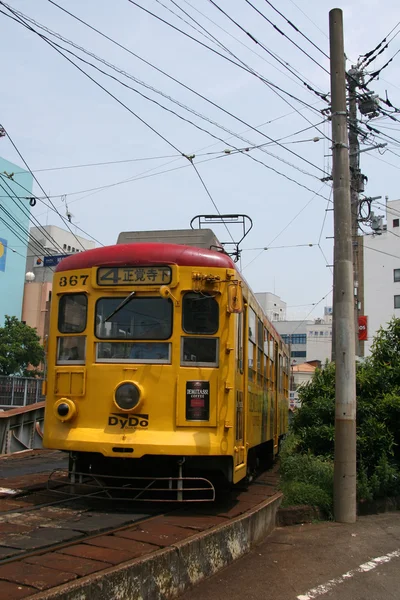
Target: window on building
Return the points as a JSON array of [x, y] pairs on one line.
[[73, 249], [298, 354], [296, 338], [299, 338], [396, 222], [69, 248], [65, 246], [396, 274], [397, 301], [321, 333]]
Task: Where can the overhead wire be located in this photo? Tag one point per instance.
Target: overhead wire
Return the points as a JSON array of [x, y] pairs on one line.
[[239, 41], [282, 230], [53, 208], [28, 214], [311, 311], [375, 74], [260, 146], [27, 239], [369, 57], [285, 35], [132, 112], [245, 68], [267, 50], [35, 178], [225, 111], [296, 29], [57, 48]]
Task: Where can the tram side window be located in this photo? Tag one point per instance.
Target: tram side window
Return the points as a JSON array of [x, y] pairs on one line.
[[252, 344], [239, 345], [72, 313], [200, 314]]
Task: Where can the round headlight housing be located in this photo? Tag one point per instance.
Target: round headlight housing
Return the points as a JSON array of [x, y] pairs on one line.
[[127, 396], [65, 409]]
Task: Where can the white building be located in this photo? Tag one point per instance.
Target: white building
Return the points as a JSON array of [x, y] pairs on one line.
[[310, 340], [46, 241], [51, 240], [272, 305], [382, 274]]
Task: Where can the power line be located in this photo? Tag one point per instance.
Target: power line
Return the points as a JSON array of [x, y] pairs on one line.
[[101, 164], [173, 78], [312, 310], [58, 47], [284, 34], [29, 215], [140, 119], [381, 252], [52, 208], [272, 54], [283, 230], [376, 73], [35, 244], [296, 28], [34, 177], [245, 68], [307, 17], [262, 57], [112, 95], [157, 68], [369, 56]]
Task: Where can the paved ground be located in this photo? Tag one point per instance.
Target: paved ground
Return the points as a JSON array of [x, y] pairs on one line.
[[305, 562]]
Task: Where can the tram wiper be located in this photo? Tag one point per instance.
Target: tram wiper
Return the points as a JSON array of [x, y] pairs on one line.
[[120, 305]]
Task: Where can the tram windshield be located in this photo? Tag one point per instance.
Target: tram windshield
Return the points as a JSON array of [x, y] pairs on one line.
[[136, 319]]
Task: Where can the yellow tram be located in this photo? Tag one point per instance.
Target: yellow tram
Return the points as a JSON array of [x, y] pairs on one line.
[[162, 367]]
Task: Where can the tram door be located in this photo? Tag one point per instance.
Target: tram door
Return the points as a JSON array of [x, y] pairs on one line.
[[241, 395]]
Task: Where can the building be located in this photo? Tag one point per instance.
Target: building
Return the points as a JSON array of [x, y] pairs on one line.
[[15, 189], [381, 283], [45, 241], [299, 375], [272, 305], [309, 340]]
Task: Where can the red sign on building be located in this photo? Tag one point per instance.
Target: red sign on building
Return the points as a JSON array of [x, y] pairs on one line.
[[363, 328]]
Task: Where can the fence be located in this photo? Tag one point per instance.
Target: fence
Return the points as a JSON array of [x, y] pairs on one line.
[[20, 391]]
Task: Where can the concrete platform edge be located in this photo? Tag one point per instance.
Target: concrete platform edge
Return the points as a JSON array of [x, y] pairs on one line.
[[170, 572]]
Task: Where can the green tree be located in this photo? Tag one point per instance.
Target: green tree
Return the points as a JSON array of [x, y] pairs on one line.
[[19, 347], [378, 416]]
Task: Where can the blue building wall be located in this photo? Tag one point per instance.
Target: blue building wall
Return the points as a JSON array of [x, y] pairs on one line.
[[13, 238]]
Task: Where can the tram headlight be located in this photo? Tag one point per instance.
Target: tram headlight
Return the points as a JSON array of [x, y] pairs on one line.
[[65, 409], [127, 396]]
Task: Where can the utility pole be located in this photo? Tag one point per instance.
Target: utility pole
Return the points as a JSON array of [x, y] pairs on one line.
[[343, 300]]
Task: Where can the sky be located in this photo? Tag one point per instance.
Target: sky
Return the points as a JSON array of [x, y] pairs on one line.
[[58, 117]]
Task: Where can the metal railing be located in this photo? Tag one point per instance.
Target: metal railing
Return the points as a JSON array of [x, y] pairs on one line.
[[20, 391]]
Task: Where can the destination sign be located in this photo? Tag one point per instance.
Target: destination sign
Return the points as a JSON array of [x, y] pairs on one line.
[[134, 275]]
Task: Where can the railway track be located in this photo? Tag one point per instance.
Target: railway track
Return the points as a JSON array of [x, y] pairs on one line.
[[45, 523]]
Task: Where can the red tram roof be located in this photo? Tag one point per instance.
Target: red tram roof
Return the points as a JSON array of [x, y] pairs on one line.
[[122, 255]]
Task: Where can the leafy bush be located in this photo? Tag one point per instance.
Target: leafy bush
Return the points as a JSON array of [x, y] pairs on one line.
[[305, 478], [378, 427], [299, 493]]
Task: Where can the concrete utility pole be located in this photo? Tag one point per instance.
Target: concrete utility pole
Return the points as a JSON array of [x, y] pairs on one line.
[[343, 301]]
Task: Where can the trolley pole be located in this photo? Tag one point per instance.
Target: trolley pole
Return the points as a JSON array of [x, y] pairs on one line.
[[343, 301]]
